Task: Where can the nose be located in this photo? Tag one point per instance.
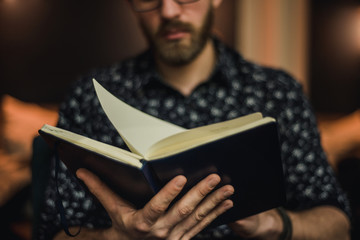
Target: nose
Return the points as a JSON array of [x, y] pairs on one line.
[[170, 9]]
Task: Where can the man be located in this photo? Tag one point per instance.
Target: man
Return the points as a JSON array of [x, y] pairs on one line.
[[191, 79]]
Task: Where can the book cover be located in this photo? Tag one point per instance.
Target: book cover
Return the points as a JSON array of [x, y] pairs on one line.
[[244, 152]]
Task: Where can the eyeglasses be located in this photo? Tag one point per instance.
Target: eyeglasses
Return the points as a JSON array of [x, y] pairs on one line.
[[149, 5]]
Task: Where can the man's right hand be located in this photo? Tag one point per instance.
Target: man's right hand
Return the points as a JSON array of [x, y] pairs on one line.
[[187, 217]]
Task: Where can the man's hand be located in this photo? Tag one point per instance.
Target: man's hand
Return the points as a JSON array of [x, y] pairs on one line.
[[187, 217], [322, 222], [266, 225]]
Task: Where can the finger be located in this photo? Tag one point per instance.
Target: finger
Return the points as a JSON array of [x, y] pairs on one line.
[[223, 207], [110, 201], [157, 206], [207, 211], [186, 205]]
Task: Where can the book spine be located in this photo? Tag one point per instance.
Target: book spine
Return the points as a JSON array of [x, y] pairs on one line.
[[150, 176]]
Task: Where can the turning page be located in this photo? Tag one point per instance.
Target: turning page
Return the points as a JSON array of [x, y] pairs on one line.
[[138, 129]]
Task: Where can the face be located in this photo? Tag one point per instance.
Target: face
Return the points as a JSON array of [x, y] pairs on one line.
[[178, 33]]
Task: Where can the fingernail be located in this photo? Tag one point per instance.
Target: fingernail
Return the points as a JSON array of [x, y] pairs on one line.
[[228, 194], [228, 205], [213, 182], [79, 173], [180, 182]]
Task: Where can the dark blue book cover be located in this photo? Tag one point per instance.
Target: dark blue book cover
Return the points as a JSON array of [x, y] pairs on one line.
[[248, 160]]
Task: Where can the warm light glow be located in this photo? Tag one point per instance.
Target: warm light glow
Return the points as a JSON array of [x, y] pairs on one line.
[[10, 1], [20, 123], [274, 33], [17, 5], [357, 29]]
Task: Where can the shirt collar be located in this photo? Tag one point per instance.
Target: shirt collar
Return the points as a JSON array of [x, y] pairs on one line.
[[224, 64]]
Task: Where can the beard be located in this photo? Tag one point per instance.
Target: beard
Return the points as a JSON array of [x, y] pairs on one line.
[[177, 52]]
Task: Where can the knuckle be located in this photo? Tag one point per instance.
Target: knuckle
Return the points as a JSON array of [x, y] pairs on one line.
[[142, 227], [216, 199], [161, 233], [156, 208], [202, 192], [184, 210], [199, 216]]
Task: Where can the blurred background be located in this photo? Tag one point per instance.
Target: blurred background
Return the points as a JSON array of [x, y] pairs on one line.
[[46, 44]]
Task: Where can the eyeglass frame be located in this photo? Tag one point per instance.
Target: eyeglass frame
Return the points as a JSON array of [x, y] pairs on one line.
[[159, 5]]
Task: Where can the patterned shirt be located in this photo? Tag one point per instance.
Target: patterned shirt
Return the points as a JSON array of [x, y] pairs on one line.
[[235, 88]]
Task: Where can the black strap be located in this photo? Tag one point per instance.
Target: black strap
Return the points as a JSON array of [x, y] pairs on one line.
[[287, 225], [59, 204]]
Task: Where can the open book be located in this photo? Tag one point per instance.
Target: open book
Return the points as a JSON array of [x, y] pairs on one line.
[[244, 151]]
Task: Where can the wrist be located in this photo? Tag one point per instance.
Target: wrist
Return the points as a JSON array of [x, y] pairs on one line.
[[271, 226], [114, 234], [88, 234], [286, 233]]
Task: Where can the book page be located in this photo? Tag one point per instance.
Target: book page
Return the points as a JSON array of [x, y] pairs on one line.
[[138, 129], [95, 146], [201, 135]]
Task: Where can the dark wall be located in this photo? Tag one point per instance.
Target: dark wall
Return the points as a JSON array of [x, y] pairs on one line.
[[46, 44], [335, 56]]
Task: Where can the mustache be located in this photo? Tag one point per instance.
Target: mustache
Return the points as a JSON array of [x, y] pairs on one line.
[[174, 24]]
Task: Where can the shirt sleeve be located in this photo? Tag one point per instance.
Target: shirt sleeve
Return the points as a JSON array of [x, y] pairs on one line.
[[310, 179]]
